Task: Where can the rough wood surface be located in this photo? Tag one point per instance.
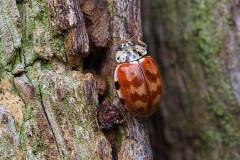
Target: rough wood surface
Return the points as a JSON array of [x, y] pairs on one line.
[[126, 23], [49, 91], [97, 21], [67, 15]]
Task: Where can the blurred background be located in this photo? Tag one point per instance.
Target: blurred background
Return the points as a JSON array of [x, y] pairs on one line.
[[196, 44]]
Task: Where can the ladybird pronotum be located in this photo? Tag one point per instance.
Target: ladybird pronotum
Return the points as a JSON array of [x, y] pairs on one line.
[[137, 79]]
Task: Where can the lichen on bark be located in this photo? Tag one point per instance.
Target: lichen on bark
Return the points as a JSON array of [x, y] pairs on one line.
[[54, 96], [198, 45]]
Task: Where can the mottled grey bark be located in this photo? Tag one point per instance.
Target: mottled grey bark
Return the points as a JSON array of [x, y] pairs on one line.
[[55, 59], [197, 45]]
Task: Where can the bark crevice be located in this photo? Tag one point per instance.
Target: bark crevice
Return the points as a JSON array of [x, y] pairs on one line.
[[48, 120], [62, 71]]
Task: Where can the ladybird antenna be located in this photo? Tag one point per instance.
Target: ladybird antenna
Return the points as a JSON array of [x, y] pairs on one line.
[[133, 37], [140, 41], [129, 39]]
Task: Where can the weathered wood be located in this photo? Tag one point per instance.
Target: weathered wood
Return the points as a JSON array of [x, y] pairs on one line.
[[48, 101], [126, 23], [67, 15], [98, 22], [10, 30]]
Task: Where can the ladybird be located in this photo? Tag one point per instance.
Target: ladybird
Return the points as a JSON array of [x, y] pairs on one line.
[[137, 79]]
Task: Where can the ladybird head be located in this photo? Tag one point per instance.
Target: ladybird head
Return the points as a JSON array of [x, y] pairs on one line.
[[128, 52], [125, 45]]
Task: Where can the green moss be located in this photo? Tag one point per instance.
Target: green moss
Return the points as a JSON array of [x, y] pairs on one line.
[[38, 144], [35, 19], [28, 25], [11, 35], [57, 44], [3, 62], [191, 30], [118, 138], [110, 7], [22, 146], [37, 32], [28, 112], [209, 45]]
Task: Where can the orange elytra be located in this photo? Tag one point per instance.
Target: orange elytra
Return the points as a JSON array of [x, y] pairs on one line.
[[137, 79]]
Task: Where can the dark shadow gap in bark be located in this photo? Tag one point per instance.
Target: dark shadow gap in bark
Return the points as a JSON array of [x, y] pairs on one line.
[[158, 143], [95, 59], [94, 63], [111, 137], [101, 98]]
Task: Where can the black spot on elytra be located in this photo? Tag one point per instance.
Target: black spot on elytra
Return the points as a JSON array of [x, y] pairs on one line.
[[117, 85], [122, 101]]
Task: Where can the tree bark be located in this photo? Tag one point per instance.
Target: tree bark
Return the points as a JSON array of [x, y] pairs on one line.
[[197, 46], [56, 68]]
